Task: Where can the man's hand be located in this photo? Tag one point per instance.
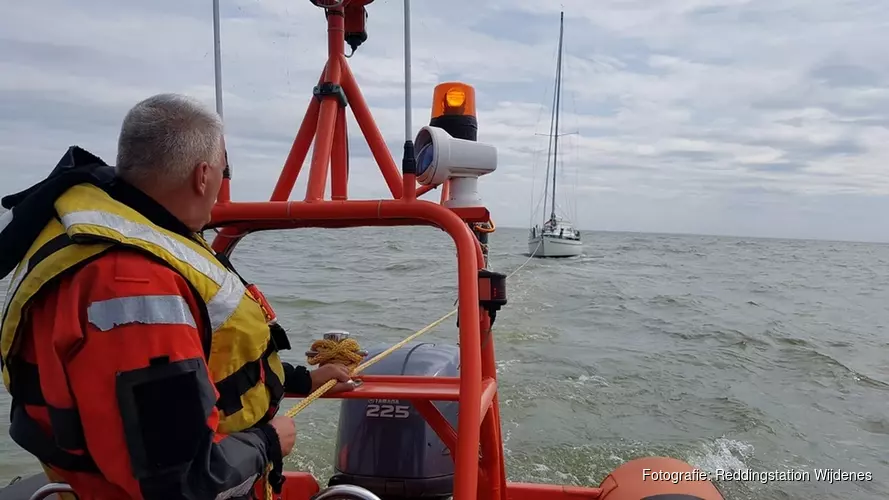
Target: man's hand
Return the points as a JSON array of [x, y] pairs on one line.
[[286, 429], [332, 372]]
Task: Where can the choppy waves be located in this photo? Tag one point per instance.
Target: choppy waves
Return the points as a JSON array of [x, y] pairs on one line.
[[730, 353]]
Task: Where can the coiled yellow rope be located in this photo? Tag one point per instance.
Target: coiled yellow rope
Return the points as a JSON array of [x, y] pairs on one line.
[[344, 352]]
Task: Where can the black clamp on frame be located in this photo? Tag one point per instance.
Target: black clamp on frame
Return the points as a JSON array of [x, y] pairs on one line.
[[491, 293], [227, 172], [331, 89]]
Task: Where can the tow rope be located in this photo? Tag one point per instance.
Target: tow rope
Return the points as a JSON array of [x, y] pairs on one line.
[[347, 349], [347, 352]]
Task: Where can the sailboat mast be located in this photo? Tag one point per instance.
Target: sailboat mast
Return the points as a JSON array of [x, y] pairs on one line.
[[549, 151], [558, 105]]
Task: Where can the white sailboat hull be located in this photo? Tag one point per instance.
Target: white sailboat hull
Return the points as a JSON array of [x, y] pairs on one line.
[[553, 246]]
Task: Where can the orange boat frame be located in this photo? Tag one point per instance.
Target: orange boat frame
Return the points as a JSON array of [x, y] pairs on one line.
[[477, 448], [476, 475]]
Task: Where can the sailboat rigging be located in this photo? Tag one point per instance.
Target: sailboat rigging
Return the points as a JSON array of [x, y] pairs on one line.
[[556, 237]]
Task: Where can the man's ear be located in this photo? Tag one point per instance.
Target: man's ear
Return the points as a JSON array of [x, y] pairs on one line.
[[201, 177]]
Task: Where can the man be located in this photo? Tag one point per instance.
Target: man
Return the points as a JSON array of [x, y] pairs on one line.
[[139, 363]]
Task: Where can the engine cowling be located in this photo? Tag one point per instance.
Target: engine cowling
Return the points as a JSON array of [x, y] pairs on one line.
[[386, 446]]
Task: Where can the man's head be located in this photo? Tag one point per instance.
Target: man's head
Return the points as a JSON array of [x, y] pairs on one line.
[[172, 148]]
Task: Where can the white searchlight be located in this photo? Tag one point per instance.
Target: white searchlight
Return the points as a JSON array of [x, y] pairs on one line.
[[441, 157]]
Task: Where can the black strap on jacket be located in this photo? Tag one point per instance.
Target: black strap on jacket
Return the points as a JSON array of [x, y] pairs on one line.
[[34, 207], [66, 448]]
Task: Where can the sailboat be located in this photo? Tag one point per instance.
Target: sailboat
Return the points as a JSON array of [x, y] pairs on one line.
[[556, 237]]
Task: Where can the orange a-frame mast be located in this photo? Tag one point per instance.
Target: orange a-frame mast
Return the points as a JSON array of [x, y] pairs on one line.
[[476, 475]]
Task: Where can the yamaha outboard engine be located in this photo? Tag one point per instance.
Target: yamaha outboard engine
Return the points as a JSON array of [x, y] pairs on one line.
[[385, 445]]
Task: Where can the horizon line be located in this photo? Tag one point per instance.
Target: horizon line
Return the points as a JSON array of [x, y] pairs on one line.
[[755, 237]]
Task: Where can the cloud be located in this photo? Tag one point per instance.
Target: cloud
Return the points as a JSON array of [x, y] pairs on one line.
[[718, 116]]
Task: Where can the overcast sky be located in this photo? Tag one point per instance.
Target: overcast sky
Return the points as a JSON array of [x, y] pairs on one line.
[[746, 117]]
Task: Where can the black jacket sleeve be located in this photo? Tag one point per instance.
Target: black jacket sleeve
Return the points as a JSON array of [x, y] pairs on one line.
[[297, 379]]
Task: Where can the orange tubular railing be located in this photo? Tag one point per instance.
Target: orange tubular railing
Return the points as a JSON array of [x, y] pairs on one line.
[[325, 124]]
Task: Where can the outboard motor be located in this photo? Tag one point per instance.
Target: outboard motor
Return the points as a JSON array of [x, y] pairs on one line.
[[386, 446]]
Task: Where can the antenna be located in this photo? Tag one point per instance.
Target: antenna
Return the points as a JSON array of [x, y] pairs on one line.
[[224, 190], [408, 161], [217, 57], [407, 71]]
